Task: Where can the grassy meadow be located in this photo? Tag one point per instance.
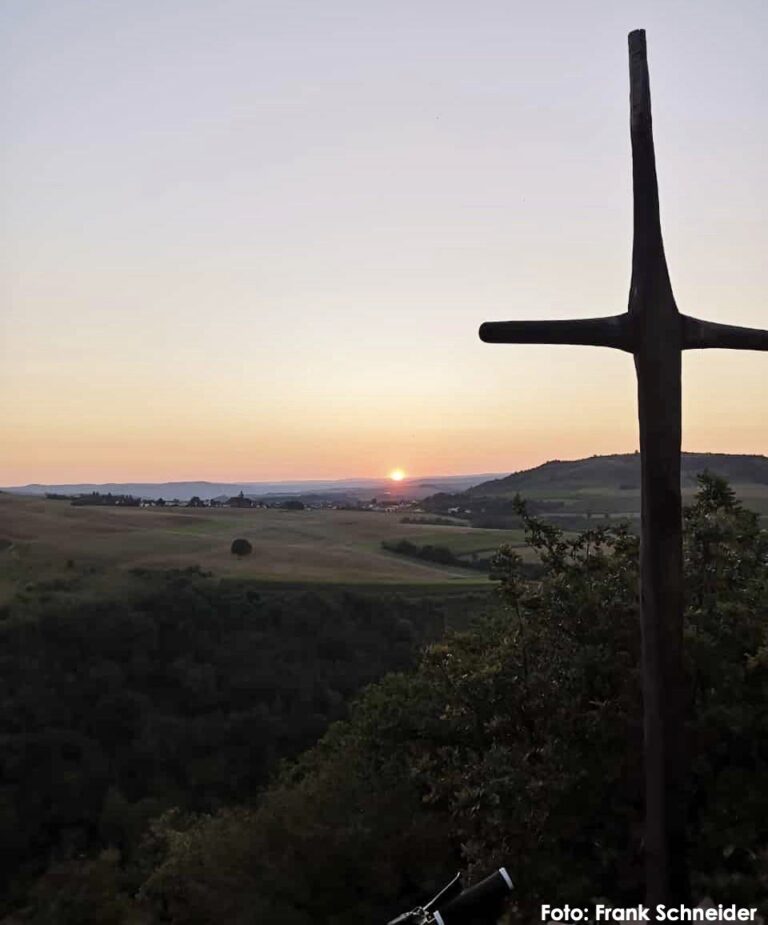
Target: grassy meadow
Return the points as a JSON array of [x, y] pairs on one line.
[[53, 541]]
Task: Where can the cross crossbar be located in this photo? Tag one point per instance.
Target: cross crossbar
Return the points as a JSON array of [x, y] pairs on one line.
[[655, 332], [617, 331]]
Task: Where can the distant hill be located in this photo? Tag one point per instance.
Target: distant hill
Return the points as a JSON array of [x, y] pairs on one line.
[[339, 489], [573, 492], [617, 473], [620, 472]]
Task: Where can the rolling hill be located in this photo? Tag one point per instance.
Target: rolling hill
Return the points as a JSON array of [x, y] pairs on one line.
[[43, 540], [571, 492], [620, 472]]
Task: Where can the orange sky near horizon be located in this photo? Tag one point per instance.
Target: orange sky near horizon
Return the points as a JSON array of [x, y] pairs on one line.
[[258, 246], [97, 442]]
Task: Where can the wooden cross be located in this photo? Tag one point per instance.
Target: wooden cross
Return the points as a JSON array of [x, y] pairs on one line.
[[655, 332]]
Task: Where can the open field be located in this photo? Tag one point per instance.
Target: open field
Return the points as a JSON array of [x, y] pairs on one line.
[[45, 540], [48, 540], [462, 540]]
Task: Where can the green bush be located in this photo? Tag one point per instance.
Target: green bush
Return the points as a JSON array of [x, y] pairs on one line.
[[241, 547]]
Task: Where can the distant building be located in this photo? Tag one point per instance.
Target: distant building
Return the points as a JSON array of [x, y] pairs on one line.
[[239, 501]]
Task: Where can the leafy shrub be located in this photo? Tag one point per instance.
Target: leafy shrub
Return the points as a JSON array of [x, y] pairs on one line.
[[241, 547]]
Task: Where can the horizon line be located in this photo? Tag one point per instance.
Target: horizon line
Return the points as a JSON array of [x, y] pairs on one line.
[[409, 479]]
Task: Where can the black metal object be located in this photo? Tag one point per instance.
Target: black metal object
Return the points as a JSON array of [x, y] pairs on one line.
[[656, 333], [453, 905]]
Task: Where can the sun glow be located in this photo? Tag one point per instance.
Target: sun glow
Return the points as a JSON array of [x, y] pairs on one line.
[[397, 475]]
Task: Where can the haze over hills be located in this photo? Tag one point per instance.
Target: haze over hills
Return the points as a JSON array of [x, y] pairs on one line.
[[617, 472], [411, 489], [621, 472]]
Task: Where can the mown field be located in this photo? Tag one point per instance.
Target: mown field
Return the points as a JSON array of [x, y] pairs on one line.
[[52, 540], [45, 540]]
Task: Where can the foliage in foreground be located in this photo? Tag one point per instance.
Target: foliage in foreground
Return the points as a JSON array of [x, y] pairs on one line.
[[519, 742], [186, 694], [516, 742]]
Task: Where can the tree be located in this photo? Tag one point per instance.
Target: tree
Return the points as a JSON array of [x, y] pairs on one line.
[[241, 547]]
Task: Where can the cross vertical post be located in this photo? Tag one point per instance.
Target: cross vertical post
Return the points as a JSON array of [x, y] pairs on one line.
[[655, 332]]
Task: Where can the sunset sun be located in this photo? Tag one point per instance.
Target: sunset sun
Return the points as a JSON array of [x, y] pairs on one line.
[[397, 475]]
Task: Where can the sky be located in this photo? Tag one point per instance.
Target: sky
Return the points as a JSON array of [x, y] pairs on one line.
[[255, 240]]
